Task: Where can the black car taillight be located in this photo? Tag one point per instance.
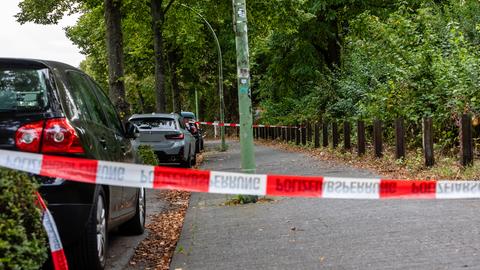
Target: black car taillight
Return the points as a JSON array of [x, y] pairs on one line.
[[60, 137], [56, 136], [28, 136], [175, 136]]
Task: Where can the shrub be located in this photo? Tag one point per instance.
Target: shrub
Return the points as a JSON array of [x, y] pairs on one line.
[[23, 242], [147, 155]]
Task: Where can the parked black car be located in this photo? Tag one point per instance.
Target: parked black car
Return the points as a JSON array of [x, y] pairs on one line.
[[53, 108], [195, 129]]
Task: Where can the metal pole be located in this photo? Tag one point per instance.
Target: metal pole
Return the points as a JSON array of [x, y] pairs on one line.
[[220, 77], [196, 105], [243, 81]]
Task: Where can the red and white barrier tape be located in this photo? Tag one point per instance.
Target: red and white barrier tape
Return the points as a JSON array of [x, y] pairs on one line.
[[59, 260], [134, 175], [237, 125]]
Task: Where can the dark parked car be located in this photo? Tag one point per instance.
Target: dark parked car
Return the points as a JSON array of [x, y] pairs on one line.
[[196, 130], [168, 135], [53, 108]]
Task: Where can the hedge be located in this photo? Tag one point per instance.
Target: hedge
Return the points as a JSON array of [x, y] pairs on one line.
[[23, 243]]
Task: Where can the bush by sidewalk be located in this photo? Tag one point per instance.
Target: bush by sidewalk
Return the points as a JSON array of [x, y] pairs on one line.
[[147, 155], [23, 243]]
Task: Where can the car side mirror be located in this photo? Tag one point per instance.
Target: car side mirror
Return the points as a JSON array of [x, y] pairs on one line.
[[131, 131]]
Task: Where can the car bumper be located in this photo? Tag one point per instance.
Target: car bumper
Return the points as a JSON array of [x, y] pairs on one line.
[[166, 157], [70, 204], [175, 149]]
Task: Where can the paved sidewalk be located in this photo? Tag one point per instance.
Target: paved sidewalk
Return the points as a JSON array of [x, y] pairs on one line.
[[321, 233]]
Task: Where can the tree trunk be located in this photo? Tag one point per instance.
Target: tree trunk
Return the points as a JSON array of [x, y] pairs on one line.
[[158, 17], [177, 104], [114, 42]]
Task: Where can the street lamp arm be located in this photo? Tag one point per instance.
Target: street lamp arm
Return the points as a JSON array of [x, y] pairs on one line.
[[209, 26], [220, 74]]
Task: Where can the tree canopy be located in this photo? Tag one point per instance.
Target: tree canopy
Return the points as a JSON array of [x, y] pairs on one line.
[[310, 58]]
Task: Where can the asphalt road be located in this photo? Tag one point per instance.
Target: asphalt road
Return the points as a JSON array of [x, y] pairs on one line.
[[324, 233]]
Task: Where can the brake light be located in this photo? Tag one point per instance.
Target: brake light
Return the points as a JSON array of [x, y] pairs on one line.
[[27, 137], [175, 136], [193, 129], [60, 137]]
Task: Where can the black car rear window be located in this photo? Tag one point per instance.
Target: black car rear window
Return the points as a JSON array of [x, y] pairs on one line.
[[23, 89], [151, 122]]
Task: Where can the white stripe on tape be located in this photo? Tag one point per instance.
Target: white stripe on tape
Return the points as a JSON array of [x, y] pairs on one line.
[[123, 174], [354, 188], [51, 229], [26, 162], [237, 183], [457, 189]]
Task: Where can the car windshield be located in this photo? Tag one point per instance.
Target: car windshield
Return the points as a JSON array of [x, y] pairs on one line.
[[23, 89], [151, 122]]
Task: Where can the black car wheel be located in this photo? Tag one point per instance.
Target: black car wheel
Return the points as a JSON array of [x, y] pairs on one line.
[[136, 225], [90, 252], [197, 145], [194, 160], [187, 163]]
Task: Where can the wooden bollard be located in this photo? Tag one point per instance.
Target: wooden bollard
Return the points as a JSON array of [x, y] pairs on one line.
[[361, 138], [297, 135], [317, 135], [346, 135], [466, 150], [378, 138], [399, 139], [303, 129], [325, 134], [309, 132], [427, 127], [335, 135]]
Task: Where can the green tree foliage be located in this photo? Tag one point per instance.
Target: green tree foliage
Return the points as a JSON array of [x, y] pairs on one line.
[[415, 62], [309, 58], [373, 59], [23, 242]]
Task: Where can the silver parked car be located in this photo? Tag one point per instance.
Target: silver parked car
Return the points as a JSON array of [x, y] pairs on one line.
[[167, 135]]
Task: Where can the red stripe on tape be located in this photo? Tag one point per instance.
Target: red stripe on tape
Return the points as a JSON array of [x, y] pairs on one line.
[[184, 179], [407, 189], [59, 260], [294, 186], [83, 170]]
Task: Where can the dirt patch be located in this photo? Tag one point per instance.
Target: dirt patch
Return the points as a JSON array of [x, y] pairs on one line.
[[156, 251]]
